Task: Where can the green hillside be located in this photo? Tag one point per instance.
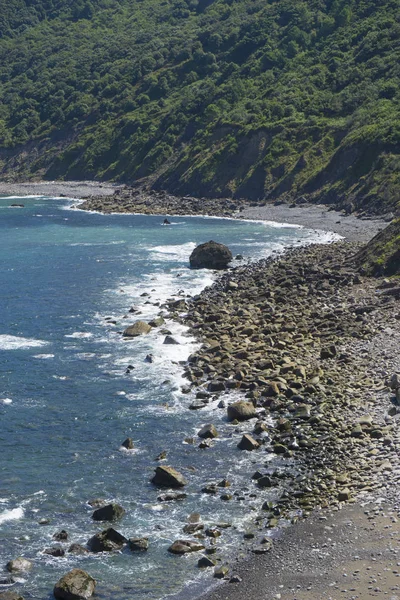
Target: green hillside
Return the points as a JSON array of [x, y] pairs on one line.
[[243, 98]]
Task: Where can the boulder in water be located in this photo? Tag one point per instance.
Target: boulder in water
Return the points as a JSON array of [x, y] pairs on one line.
[[107, 541], [75, 585], [110, 512], [210, 255], [19, 564], [168, 477], [138, 328]]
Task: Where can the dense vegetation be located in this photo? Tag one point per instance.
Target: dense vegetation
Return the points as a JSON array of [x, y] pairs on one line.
[[242, 98]]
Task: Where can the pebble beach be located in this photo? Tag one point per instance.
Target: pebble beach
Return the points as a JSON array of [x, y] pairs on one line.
[[308, 341]]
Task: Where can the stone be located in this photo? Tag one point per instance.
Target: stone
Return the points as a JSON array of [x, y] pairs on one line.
[[264, 481], [344, 495], [19, 564], [185, 546], [55, 551], [168, 477], [138, 544], [221, 572], [77, 549], [171, 496], [60, 536], [208, 431], [248, 443], [156, 322], [11, 595], [328, 352], [128, 443], [241, 411], [110, 512], [395, 382], [75, 585], [205, 562], [169, 340], [138, 328], [107, 541], [210, 255]]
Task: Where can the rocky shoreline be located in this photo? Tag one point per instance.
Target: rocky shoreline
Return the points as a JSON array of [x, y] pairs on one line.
[[308, 342], [312, 344]]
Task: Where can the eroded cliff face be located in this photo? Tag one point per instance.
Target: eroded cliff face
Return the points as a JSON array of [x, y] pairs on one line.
[[381, 256], [355, 176]]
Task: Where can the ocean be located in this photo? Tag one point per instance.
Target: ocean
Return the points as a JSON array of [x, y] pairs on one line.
[[72, 389]]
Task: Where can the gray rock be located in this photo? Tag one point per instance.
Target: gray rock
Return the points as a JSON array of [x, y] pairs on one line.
[[138, 544], [128, 443], [208, 431], [170, 340], [168, 477], [75, 585], [107, 541], [241, 411], [11, 595], [248, 443], [55, 551], [110, 512], [19, 564], [210, 255], [185, 546], [138, 328]]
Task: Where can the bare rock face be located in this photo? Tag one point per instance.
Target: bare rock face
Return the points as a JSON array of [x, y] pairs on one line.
[[138, 328], [75, 585], [168, 477], [210, 255]]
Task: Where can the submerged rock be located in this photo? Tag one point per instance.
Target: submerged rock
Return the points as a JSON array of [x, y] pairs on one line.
[[75, 585], [210, 255]]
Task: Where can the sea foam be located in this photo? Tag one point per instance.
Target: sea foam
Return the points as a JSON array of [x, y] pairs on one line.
[[12, 342], [12, 514]]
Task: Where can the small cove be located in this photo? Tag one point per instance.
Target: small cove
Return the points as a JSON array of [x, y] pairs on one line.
[[67, 276]]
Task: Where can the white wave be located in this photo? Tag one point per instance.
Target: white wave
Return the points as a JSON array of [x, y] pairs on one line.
[[20, 197], [43, 356], [79, 335], [12, 342], [169, 252], [5, 401], [12, 514]]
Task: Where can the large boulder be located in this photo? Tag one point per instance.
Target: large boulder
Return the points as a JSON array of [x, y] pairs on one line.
[[241, 411], [107, 541], [210, 255], [138, 328], [19, 564], [75, 585], [168, 477], [110, 512]]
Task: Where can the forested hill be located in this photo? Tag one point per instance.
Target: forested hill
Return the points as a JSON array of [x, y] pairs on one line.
[[243, 98]]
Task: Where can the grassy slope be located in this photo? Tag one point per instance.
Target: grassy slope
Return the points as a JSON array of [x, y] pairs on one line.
[[257, 99], [381, 256]]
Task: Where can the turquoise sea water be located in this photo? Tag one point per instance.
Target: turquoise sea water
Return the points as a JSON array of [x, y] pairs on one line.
[[67, 401]]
